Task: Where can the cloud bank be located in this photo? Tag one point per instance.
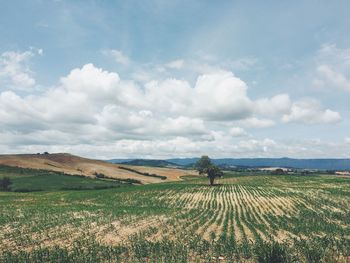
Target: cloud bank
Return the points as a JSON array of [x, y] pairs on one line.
[[97, 113]]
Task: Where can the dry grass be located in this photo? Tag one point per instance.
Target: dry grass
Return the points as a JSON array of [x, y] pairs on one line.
[[71, 164]]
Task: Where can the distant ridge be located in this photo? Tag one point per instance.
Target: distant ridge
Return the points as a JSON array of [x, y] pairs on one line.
[[319, 164]]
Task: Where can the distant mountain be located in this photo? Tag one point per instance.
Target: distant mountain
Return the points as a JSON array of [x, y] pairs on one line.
[[153, 163], [320, 164], [118, 160], [183, 161]]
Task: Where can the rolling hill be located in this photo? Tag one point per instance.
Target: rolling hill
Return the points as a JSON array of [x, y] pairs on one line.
[[75, 165]]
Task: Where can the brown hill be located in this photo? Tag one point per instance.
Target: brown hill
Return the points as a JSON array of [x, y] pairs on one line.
[[71, 164]]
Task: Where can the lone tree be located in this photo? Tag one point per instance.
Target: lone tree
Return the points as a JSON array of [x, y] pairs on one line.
[[5, 183], [205, 166]]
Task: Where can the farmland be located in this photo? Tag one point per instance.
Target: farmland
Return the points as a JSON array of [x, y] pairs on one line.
[[245, 217], [76, 165]]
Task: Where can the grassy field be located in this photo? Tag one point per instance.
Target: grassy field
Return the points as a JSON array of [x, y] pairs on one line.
[[249, 218], [29, 180]]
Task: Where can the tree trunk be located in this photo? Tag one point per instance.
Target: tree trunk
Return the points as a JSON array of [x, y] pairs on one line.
[[211, 180]]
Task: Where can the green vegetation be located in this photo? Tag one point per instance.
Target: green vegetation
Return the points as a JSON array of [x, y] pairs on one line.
[[29, 180], [150, 163], [5, 184], [205, 166], [142, 173], [128, 180], [244, 218]]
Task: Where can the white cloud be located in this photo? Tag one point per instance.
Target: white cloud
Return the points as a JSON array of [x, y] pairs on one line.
[[333, 68], [176, 64], [310, 112], [242, 63], [164, 147], [221, 96], [254, 122], [274, 106], [237, 132], [328, 77], [94, 110], [347, 140], [121, 119], [18, 114], [118, 56], [171, 97], [91, 81], [218, 96], [182, 126], [15, 71], [257, 146], [331, 52]]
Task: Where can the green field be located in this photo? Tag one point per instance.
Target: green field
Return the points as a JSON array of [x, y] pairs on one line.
[[249, 218], [30, 180]]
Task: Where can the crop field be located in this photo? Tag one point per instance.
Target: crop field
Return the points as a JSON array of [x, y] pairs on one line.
[[244, 218]]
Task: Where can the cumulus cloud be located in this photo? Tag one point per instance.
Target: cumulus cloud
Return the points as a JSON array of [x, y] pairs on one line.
[[328, 77], [14, 69], [18, 114], [183, 126], [91, 109], [118, 56], [120, 119], [310, 112], [333, 68], [221, 96], [176, 64], [254, 122], [238, 132], [274, 106], [92, 82]]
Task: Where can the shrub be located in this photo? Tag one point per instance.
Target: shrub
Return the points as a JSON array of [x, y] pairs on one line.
[[271, 253], [27, 190], [99, 175], [162, 177], [5, 183], [131, 181]]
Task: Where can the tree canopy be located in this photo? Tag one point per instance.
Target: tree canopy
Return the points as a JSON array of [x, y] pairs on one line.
[[205, 166]]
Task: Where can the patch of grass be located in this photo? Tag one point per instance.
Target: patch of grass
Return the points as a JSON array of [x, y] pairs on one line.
[[30, 180], [53, 182]]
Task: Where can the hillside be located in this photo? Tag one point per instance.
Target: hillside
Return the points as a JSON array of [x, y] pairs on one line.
[[70, 164]]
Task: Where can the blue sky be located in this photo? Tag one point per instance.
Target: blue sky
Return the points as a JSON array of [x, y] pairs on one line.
[[162, 79]]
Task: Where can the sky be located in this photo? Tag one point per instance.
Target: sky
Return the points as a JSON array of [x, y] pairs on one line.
[[163, 79]]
